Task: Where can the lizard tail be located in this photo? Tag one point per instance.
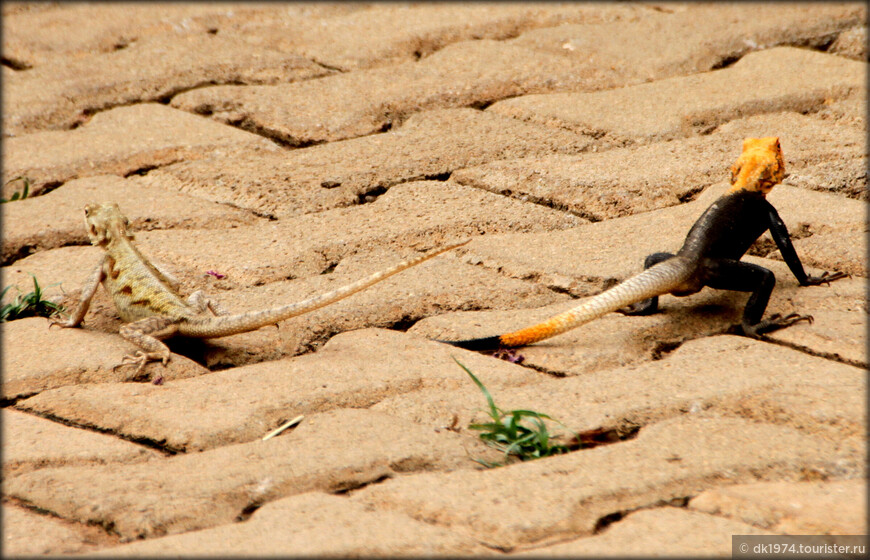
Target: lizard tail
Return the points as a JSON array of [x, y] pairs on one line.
[[657, 280], [244, 322]]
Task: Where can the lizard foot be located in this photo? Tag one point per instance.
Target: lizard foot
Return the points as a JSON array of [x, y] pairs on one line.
[[645, 307], [55, 322], [773, 323], [140, 359], [636, 309], [826, 278]]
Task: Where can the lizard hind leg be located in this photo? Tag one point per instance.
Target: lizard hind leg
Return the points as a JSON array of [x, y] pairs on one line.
[[651, 305], [145, 333]]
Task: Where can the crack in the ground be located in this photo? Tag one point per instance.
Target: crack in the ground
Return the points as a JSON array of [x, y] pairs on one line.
[[86, 113], [371, 195], [339, 488], [15, 64], [580, 287], [833, 356], [145, 169], [622, 430], [821, 43], [535, 367], [404, 324], [663, 348], [794, 346], [10, 402], [248, 511], [546, 203], [47, 187], [280, 139], [21, 252], [692, 193], [563, 290], [166, 97], [163, 98], [159, 446], [606, 520], [726, 61], [484, 104], [346, 487], [327, 67], [108, 528], [373, 192], [29, 249]]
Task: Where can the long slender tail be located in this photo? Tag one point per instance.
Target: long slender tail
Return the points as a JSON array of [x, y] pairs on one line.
[[657, 280], [244, 322]]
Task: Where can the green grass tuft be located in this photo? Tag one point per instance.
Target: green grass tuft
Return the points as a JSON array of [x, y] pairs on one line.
[[28, 305], [518, 433]]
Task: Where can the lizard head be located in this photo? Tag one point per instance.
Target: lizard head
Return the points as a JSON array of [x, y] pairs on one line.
[[105, 222], [759, 167]]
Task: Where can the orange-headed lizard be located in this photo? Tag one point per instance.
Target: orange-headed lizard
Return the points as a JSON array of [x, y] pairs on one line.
[[710, 256], [147, 299]]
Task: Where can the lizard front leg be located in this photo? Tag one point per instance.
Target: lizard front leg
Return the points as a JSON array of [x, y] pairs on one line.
[[789, 255], [145, 333], [88, 291]]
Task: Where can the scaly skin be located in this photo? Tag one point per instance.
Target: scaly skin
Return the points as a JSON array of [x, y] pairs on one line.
[[147, 300], [660, 279], [710, 256]]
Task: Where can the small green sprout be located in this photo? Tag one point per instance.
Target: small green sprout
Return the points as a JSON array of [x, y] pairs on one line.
[[28, 305], [519, 433], [18, 195]]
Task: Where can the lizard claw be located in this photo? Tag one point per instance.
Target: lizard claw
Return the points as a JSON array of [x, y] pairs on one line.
[[54, 322], [773, 323], [793, 318], [645, 307], [826, 278], [137, 357], [632, 309], [158, 379], [140, 359]]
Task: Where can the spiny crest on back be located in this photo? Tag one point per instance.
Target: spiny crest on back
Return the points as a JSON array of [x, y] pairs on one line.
[[759, 167], [105, 222]]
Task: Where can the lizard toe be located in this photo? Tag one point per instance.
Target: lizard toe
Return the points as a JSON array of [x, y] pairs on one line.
[[773, 323]]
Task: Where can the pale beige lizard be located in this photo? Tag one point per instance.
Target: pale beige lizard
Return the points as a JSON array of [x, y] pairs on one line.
[[147, 299]]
